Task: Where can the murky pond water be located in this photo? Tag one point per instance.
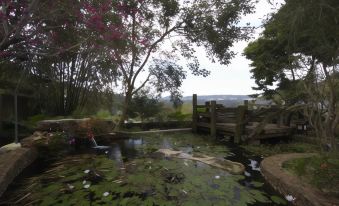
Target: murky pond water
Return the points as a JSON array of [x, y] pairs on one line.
[[131, 173]]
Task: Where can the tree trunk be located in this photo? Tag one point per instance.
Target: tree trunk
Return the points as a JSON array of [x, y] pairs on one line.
[[124, 116], [332, 110]]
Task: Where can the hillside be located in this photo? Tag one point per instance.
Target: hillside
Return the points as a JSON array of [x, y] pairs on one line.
[[227, 100]]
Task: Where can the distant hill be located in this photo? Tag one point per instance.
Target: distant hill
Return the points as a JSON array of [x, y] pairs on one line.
[[227, 100]]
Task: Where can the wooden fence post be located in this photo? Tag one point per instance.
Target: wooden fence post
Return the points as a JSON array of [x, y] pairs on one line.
[[213, 113], [246, 103], [207, 105], [281, 120], [194, 113], [240, 124]]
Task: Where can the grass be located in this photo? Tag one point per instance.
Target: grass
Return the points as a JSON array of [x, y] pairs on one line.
[[321, 171], [269, 149]]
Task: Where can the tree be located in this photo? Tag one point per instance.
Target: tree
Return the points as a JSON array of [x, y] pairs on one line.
[[299, 50], [144, 105], [53, 40], [64, 54], [141, 28], [14, 17]]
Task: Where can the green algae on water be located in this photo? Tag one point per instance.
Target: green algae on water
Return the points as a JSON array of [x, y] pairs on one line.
[[145, 179]]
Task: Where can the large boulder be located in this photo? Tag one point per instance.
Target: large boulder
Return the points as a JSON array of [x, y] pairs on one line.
[[231, 167]]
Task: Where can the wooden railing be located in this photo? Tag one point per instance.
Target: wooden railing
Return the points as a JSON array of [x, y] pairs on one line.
[[212, 113]]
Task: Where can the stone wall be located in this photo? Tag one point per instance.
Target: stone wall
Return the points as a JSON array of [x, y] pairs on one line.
[[288, 184], [77, 127], [12, 163], [80, 127]]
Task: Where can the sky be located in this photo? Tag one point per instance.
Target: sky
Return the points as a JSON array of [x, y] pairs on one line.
[[234, 78]]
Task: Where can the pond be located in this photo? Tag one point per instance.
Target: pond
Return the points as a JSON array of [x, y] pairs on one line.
[[132, 173]]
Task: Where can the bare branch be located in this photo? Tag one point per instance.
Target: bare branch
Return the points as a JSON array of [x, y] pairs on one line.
[[142, 85], [153, 46]]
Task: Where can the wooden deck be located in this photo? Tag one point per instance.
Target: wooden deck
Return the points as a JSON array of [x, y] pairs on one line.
[[241, 122], [269, 130]]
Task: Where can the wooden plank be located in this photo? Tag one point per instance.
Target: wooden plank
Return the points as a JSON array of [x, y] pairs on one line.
[[213, 119], [204, 124], [228, 127], [204, 114], [246, 104], [194, 114], [227, 110], [237, 121], [240, 127], [207, 105]]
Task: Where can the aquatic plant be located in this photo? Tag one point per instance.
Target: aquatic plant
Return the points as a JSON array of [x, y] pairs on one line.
[[143, 179]]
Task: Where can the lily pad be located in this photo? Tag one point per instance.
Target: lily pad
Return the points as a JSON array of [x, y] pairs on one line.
[[278, 200], [257, 184]]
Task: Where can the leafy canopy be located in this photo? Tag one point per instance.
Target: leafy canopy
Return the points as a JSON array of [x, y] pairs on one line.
[[299, 33]]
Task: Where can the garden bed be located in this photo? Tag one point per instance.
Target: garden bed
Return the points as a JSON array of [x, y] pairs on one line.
[[297, 190], [321, 171]]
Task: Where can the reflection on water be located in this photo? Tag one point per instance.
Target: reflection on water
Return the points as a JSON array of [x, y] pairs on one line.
[[131, 143], [115, 154], [137, 174], [126, 150]]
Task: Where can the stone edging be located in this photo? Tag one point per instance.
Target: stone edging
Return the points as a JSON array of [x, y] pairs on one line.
[[288, 184], [12, 163], [153, 131]]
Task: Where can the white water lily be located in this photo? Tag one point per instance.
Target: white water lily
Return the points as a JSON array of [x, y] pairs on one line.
[[247, 174], [117, 181], [84, 182], [87, 186], [290, 198], [217, 177], [86, 171], [70, 186], [254, 166], [105, 194]]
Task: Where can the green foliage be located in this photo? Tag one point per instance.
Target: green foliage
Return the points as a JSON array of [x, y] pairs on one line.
[[168, 113], [298, 32], [99, 126], [56, 147], [321, 170], [186, 108], [32, 121], [278, 200], [206, 23], [179, 116], [268, 150], [103, 114], [144, 105], [298, 52]]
